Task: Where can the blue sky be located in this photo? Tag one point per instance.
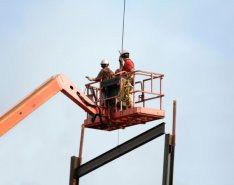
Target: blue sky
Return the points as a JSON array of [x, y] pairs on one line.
[[191, 42]]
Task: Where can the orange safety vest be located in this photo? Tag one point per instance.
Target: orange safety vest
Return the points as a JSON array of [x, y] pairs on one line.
[[128, 65]]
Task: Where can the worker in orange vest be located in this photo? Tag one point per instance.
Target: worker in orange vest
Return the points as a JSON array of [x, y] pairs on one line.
[[126, 64], [105, 73]]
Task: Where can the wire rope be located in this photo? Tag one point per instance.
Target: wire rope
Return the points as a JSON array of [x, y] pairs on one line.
[[122, 47], [123, 26]]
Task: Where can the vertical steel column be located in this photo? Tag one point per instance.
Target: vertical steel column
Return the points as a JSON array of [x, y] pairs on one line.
[[75, 163], [173, 142], [166, 162], [172, 164], [169, 152]]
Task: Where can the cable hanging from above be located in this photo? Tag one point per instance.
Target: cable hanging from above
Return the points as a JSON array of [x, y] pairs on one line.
[[123, 26]]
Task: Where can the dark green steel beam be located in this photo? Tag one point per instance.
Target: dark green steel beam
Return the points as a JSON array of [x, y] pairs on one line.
[[120, 150]]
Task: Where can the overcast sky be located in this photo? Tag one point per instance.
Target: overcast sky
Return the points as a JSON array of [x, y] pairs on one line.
[[191, 42]]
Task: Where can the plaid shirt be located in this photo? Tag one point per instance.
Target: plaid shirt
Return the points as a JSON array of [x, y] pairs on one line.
[[105, 73]]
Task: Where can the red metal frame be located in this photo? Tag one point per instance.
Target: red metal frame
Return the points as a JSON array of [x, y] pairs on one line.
[[121, 117]]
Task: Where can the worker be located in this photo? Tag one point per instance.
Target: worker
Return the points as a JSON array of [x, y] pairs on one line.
[[105, 73], [126, 64]]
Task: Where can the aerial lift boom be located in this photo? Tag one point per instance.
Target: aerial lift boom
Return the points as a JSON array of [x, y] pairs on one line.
[[103, 112], [106, 110], [40, 95]]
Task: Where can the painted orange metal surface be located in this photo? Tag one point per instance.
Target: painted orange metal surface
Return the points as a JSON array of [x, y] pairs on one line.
[[119, 116], [39, 96], [125, 118]]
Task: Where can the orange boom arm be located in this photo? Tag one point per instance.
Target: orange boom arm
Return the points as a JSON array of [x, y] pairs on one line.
[[40, 95]]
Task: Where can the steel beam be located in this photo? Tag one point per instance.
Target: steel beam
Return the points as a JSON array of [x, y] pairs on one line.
[[75, 163], [166, 161], [168, 164], [120, 150], [172, 165]]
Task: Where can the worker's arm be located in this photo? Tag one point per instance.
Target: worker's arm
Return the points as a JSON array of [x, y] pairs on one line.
[[93, 79], [90, 78], [98, 78]]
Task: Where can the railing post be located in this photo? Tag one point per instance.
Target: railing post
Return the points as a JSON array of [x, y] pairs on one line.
[[160, 93], [152, 83], [133, 93]]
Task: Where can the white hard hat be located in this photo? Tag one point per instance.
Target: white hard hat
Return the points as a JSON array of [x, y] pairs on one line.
[[124, 52], [105, 61]]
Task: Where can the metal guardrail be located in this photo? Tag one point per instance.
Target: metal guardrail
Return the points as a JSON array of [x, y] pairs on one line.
[[144, 89]]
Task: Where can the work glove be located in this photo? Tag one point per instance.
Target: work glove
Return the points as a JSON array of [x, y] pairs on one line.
[[89, 78]]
